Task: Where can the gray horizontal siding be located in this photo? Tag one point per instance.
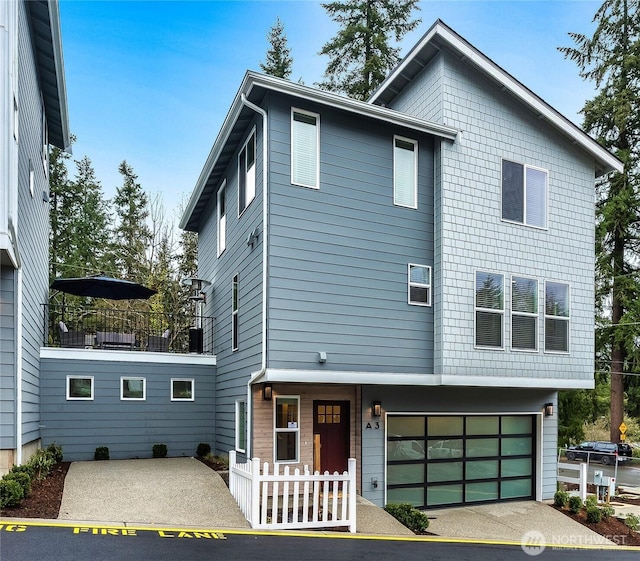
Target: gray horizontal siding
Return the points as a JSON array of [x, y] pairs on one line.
[[128, 428], [7, 359]]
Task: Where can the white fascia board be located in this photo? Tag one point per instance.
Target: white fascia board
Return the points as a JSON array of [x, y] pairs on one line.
[[402, 379], [56, 39], [126, 356]]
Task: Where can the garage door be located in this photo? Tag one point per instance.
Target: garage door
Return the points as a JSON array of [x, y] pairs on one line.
[[454, 460]]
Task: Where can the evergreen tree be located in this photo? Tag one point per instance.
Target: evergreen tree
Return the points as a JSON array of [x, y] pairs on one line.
[[611, 59], [360, 54], [59, 187], [279, 59]]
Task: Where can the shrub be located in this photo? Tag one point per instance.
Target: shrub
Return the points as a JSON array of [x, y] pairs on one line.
[[159, 451], [11, 492], [594, 515], [23, 478], [408, 515], [607, 511], [632, 521], [560, 499], [203, 449], [592, 500], [56, 452], [41, 463], [101, 453], [575, 504], [24, 468]]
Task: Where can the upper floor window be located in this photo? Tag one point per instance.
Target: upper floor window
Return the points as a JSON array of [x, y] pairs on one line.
[[247, 173], [16, 120], [524, 194], [305, 153], [524, 314], [45, 144], [222, 217], [405, 172], [419, 285], [556, 317], [234, 313], [489, 307]]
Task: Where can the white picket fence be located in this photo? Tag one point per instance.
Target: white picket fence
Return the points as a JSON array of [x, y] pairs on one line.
[[273, 500]]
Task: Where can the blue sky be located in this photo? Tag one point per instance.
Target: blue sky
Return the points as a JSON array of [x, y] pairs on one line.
[[151, 81]]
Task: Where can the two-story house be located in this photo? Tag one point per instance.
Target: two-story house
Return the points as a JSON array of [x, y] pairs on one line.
[[33, 114], [407, 281]]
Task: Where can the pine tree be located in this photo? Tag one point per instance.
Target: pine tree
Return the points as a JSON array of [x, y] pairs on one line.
[[611, 59], [279, 59], [360, 54], [59, 187]]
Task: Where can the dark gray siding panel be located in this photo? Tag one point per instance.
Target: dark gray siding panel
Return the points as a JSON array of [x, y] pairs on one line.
[[7, 359], [338, 255], [128, 428]]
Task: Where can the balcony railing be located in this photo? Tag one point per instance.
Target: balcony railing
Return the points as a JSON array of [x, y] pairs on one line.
[[126, 329]]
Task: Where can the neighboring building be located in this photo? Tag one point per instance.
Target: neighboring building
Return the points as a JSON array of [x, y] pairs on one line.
[[429, 254], [33, 114]]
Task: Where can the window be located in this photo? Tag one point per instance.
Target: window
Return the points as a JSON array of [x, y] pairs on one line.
[[222, 218], [16, 120], [405, 172], [305, 155], [182, 389], [489, 309], [80, 387], [524, 314], [287, 428], [234, 313], [133, 388], [241, 426], [31, 178], [247, 174], [419, 285], [556, 317], [524, 194], [45, 144]]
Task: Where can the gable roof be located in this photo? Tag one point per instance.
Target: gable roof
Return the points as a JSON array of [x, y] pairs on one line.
[[253, 88], [44, 21], [441, 35]]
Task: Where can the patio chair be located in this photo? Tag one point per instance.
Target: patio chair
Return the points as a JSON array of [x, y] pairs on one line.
[[71, 339], [159, 344]]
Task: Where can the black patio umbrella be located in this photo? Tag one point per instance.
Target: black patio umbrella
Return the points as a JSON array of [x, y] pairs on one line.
[[100, 286]]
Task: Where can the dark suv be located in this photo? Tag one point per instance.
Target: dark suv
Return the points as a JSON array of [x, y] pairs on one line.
[[605, 452]]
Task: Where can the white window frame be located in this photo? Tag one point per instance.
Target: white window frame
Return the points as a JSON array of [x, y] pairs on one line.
[[16, 120], [397, 138], [295, 148], [241, 425], [193, 389], [235, 307], [558, 318], [251, 172], [524, 222], [45, 143], [276, 430], [79, 377], [411, 284], [222, 218], [144, 388], [535, 315], [31, 178], [477, 309]]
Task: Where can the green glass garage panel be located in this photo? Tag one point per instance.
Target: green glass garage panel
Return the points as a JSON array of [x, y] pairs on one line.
[[405, 426], [412, 495], [516, 446], [445, 426], [515, 467], [511, 489], [485, 491], [446, 471], [405, 473], [405, 450], [482, 469], [449, 448], [444, 495], [483, 425], [483, 447], [517, 424]]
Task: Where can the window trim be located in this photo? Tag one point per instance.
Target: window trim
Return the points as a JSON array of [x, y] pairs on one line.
[[277, 430], [243, 173], [144, 388], [415, 171], [193, 389], [16, 120], [31, 178], [235, 306], [45, 142], [317, 154], [526, 314], [419, 285], [562, 318], [524, 188], [79, 377], [238, 421], [476, 309], [221, 227]]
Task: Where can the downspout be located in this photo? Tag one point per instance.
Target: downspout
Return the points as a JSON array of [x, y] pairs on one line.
[[18, 341], [265, 223]]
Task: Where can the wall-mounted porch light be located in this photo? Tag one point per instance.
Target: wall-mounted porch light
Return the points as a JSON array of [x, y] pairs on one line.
[[548, 409], [376, 409], [267, 392]]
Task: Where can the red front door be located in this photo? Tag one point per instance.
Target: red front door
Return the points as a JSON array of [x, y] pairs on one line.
[[331, 429]]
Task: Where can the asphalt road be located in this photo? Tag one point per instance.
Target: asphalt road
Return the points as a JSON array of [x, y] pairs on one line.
[[27, 542]]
